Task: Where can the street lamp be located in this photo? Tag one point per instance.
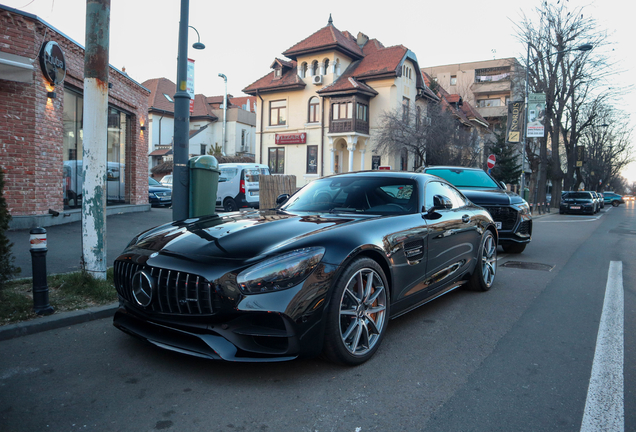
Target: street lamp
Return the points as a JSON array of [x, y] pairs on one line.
[[181, 180], [584, 47], [224, 113]]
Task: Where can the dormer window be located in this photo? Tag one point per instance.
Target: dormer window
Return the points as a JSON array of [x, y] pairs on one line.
[[278, 72]]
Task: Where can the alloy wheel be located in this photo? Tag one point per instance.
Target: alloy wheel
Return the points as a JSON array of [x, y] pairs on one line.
[[489, 261], [362, 311]]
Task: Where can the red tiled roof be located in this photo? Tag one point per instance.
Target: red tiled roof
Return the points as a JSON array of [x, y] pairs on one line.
[[382, 61], [346, 82], [158, 87], [162, 152], [326, 38], [240, 101], [270, 82], [371, 46], [454, 98], [202, 108], [472, 113]]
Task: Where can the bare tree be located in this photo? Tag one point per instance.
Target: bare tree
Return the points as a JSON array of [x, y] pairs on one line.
[[435, 137], [561, 65]]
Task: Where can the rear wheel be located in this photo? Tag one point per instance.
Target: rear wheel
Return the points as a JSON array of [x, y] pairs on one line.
[[229, 205], [615, 203], [486, 268], [358, 313]]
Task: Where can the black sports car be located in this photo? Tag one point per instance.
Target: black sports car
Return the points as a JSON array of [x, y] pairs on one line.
[[510, 212], [322, 273]]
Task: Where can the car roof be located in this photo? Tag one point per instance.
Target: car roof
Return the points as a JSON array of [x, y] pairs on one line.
[[387, 174], [453, 167]]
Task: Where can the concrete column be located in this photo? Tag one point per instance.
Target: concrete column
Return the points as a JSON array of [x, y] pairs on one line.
[[362, 152]]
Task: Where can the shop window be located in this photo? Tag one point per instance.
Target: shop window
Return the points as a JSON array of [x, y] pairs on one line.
[[312, 159], [276, 160]]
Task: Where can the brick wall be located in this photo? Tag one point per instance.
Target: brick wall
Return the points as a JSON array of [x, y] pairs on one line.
[[31, 125]]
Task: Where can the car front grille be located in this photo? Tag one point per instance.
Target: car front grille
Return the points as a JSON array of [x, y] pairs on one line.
[[174, 292], [506, 215], [524, 227], [163, 194]]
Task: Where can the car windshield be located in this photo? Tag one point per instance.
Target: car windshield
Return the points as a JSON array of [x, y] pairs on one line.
[[465, 178], [381, 196], [153, 182], [578, 195]]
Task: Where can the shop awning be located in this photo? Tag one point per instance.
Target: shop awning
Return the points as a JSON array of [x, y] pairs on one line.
[[15, 68]]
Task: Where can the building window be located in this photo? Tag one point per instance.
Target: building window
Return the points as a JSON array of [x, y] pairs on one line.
[[453, 80], [303, 70], [276, 160], [405, 109], [326, 66], [314, 68], [484, 103], [404, 160], [342, 110], [278, 113], [363, 112], [277, 72], [376, 162], [243, 133], [314, 106], [204, 148], [312, 159]]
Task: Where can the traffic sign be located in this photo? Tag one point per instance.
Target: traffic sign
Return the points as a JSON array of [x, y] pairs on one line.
[[491, 161]]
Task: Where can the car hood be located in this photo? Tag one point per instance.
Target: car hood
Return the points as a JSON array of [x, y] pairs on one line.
[[239, 235], [491, 196], [159, 189]]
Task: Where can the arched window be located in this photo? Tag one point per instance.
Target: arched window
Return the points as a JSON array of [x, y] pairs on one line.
[[314, 68], [314, 109], [303, 70], [336, 67], [326, 66]]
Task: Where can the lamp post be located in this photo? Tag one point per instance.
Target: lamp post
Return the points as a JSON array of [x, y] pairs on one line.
[[181, 180], [224, 113]]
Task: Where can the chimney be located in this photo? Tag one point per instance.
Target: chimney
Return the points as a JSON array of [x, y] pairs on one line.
[[362, 39]]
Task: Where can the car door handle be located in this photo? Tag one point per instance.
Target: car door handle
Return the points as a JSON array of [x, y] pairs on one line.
[[465, 218]]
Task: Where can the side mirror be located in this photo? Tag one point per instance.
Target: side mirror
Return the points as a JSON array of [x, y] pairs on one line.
[[503, 185], [440, 202], [280, 200]]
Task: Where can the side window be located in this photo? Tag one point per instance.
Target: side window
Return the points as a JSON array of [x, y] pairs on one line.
[[456, 197], [434, 188]]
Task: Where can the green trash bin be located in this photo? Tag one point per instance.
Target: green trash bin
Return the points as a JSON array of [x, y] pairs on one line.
[[204, 184], [526, 194]]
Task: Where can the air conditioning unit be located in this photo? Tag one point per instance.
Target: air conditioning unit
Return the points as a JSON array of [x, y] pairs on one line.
[[316, 79]]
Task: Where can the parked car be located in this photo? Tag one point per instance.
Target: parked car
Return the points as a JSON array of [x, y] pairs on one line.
[[158, 195], [598, 200], [613, 199], [601, 200], [323, 273], [166, 181], [510, 212], [239, 185], [578, 202]]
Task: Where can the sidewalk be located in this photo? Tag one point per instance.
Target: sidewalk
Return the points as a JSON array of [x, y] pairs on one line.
[[64, 242]]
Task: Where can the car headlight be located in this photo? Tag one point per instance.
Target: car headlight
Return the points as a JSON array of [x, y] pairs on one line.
[[280, 272], [523, 208], [152, 195]]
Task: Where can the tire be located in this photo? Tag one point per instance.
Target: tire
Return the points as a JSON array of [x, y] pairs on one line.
[[358, 314], [615, 203], [514, 248], [229, 205], [486, 267]]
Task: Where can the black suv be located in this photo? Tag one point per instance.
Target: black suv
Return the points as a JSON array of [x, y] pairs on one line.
[[510, 212]]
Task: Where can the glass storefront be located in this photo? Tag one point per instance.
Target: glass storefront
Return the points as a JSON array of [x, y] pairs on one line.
[[117, 143]]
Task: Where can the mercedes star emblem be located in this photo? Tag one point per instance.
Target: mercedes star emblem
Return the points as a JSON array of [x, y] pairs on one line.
[[142, 288]]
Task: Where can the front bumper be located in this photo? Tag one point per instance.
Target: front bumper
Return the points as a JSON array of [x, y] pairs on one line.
[[213, 320], [515, 228], [567, 208]]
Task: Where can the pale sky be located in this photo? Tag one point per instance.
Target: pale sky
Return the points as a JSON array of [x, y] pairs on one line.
[[242, 38]]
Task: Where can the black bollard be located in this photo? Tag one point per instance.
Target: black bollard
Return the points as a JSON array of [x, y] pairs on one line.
[[41, 304]]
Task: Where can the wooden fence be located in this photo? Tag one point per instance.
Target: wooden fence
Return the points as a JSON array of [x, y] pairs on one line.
[[271, 186]]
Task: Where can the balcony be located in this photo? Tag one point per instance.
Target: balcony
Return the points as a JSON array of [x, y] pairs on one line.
[[349, 125], [497, 111], [481, 88]]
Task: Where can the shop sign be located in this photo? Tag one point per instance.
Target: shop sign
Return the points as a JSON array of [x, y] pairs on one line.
[[52, 62], [299, 138]]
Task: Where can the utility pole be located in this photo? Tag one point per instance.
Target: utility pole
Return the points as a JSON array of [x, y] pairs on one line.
[[181, 180], [95, 138]]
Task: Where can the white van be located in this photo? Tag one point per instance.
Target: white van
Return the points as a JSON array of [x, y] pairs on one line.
[[239, 185]]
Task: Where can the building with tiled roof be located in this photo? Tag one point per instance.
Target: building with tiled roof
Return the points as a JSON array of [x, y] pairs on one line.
[[319, 110], [206, 123], [487, 85]]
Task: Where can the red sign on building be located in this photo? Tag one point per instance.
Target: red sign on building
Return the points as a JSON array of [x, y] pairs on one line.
[[298, 138]]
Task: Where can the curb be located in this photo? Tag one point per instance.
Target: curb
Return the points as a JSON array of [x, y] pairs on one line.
[[56, 321]]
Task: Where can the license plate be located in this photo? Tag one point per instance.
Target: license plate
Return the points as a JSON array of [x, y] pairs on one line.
[[498, 225], [575, 207], [164, 199], [253, 193]]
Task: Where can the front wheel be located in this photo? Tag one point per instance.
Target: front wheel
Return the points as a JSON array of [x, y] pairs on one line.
[[615, 203], [358, 314], [484, 274]]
